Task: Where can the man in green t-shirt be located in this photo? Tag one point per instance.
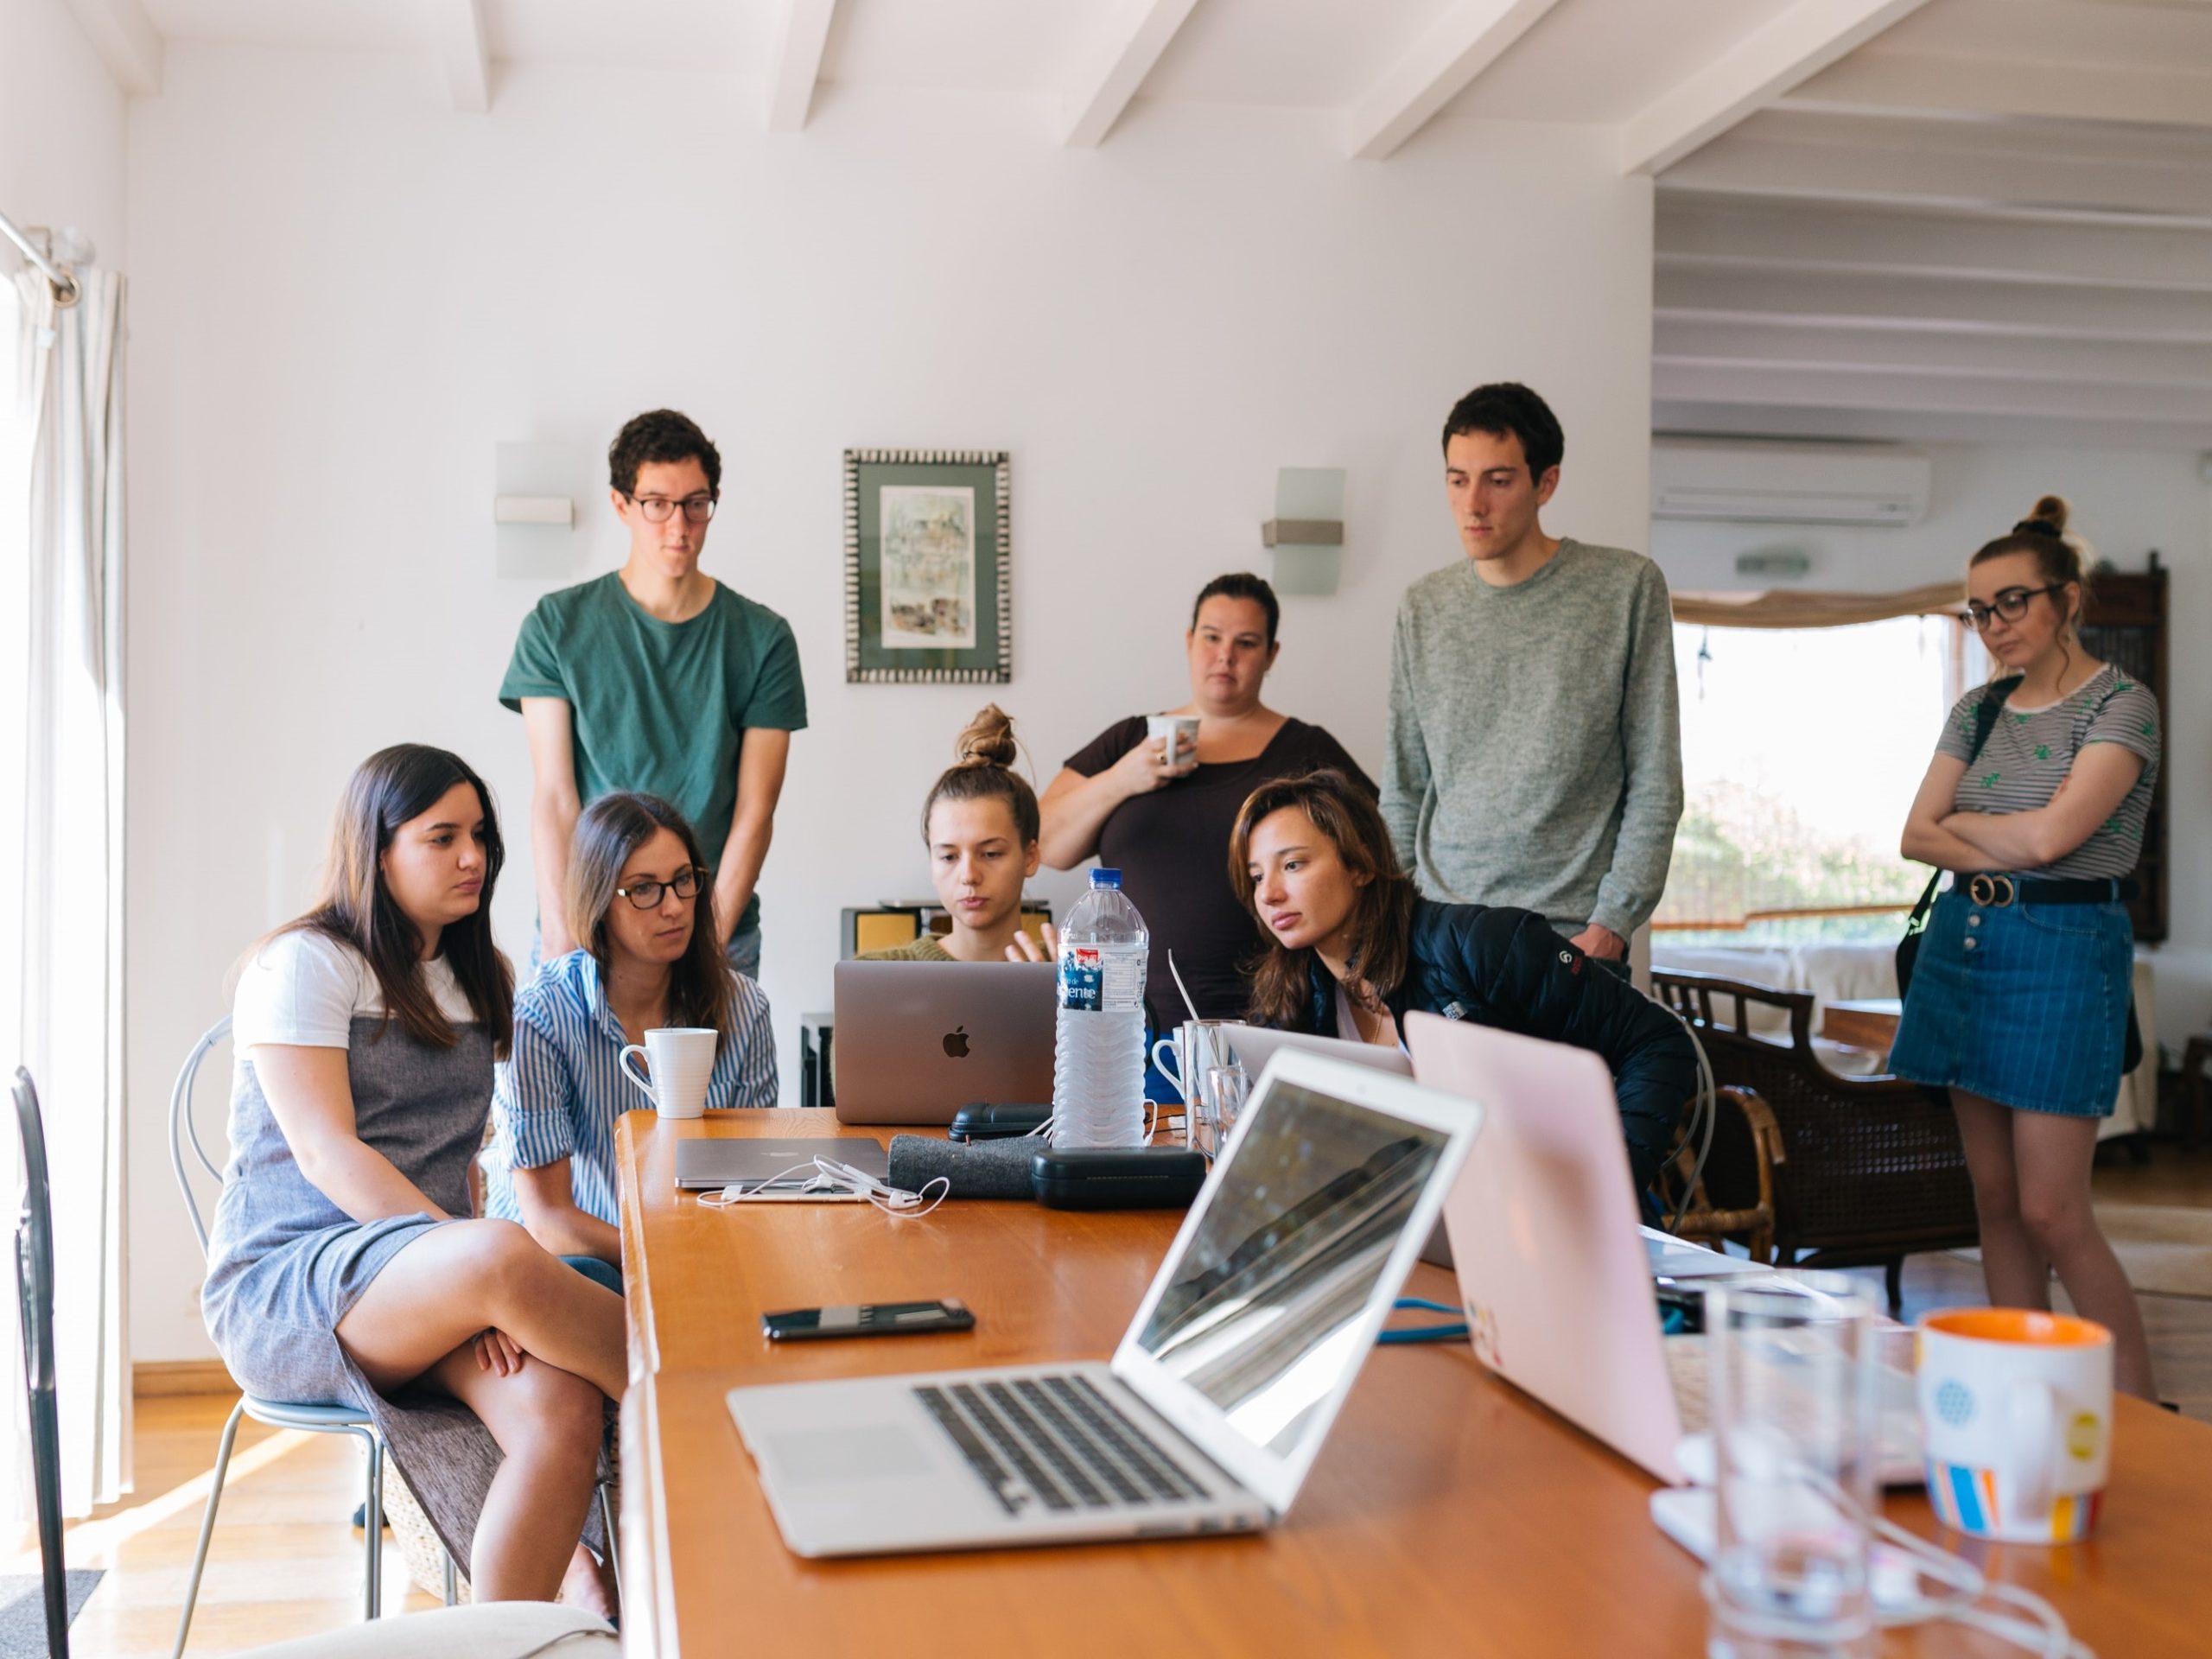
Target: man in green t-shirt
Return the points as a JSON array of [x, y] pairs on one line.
[[657, 677]]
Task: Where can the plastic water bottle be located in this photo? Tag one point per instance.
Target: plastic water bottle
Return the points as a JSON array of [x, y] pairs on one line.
[[1098, 1056]]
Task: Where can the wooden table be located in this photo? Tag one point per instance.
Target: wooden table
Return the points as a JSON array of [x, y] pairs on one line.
[[1448, 1514], [1870, 1024]]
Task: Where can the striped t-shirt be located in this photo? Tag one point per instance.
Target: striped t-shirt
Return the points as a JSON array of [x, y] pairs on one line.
[[558, 1093], [2031, 751]]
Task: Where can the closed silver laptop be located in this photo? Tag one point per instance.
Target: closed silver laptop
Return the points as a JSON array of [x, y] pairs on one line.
[[915, 1041], [1225, 1383]]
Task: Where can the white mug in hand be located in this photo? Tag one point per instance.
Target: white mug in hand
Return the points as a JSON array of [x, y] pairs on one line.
[[681, 1058], [1181, 732]]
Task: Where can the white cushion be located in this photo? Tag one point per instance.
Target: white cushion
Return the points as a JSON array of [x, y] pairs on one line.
[[491, 1629]]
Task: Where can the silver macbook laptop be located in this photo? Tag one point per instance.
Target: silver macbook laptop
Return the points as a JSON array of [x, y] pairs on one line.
[[915, 1041], [777, 1164], [1554, 1270], [1224, 1386]]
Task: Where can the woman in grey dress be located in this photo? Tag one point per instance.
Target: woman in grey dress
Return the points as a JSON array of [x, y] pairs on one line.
[[343, 1266]]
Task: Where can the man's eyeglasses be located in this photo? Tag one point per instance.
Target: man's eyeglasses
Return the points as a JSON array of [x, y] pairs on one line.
[[697, 509], [646, 895], [2012, 604]]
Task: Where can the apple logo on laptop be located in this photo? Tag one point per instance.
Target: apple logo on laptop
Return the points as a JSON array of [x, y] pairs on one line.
[[956, 1043]]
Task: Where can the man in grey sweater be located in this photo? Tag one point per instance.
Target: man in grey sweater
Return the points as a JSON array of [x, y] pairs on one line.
[[1535, 753]]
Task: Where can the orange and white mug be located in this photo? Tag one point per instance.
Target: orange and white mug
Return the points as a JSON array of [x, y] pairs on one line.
[[2015, 1421]]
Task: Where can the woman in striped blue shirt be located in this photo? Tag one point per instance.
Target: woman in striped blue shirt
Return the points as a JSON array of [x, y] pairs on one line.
[[641, 894]]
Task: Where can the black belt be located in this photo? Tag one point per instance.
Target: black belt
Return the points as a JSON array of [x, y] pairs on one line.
[[1999, 890]]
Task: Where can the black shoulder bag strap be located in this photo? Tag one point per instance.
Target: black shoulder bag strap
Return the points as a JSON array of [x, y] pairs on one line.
[[1985, 721]]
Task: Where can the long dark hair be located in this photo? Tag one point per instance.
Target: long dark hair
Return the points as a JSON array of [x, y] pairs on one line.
[[985, 771], [1381, 917], [392, 787], [609, 832]]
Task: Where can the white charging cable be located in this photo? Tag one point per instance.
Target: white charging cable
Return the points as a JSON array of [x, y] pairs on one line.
[[830, 1177]]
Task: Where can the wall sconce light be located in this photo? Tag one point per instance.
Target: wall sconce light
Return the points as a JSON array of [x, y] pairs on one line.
[[539, 510], [1307, 532]]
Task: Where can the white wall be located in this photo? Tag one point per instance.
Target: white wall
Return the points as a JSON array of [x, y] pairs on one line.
[[2126, 502], [61, 130], [347, 295]]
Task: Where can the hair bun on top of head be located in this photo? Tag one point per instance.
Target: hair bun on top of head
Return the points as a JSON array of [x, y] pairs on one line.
[[2048, 518], [988, 739]]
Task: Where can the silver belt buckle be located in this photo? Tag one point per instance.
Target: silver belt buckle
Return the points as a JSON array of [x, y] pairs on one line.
[[1996, 891]]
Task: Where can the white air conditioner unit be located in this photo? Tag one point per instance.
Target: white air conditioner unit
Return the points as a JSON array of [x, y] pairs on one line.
[[1736, 482]]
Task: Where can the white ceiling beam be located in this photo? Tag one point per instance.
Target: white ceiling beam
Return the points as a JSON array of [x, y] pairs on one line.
[[2149, 178], [1113, 77], [128, 47], [1469, 37], [1699, 231], [466, 50], [1769, 61], [2169, 94], [804, 35], [1893, 389], [1919, 305], [1787, 345]]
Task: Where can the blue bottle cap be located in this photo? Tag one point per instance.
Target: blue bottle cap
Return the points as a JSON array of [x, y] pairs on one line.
[[1106, 879]]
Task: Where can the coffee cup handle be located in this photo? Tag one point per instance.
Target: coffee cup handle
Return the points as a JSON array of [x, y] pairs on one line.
[[1172, 1072], [622, 1061], [2032, 1433]]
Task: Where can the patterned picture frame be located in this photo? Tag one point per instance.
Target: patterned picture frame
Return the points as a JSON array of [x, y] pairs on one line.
[[929, 590]]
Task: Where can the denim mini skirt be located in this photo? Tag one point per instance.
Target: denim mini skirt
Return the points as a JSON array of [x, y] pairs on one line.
[[2026, 1005]]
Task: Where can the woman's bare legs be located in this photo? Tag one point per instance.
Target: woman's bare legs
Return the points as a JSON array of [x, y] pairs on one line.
[[2053, 1155], [2014, 1270], [454, 1281], [548, 1423]]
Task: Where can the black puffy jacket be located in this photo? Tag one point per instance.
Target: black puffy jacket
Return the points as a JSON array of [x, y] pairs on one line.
[[1506, 969]]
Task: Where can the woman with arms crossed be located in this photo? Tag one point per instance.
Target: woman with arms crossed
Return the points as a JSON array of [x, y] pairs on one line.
[[2020, 993], [1353, 948], [641, 899], [342, 1267]]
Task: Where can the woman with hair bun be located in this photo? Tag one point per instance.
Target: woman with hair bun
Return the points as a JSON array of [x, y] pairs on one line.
[[2019, 1001], [979, 825]]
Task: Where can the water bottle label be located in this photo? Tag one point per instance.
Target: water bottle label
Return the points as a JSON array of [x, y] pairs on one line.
[[1083, 977]]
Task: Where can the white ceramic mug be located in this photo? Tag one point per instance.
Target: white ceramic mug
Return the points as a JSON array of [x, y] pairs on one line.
[[1194, 1048], [1181, 732], [680, 1059], [2016, 1419]]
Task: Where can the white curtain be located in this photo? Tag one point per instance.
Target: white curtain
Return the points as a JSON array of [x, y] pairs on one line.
[[61, 827]]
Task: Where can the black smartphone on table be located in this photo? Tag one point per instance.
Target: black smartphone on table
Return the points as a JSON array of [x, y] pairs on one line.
[[868, 1319]]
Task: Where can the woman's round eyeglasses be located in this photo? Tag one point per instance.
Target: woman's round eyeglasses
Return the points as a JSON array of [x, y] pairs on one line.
[[2012, 604], [646, 895]]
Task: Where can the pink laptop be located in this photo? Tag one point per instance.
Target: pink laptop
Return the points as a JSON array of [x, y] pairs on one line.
[[1545, 1239]]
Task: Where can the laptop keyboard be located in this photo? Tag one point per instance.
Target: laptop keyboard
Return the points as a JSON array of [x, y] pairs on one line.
[[1054, 1441]]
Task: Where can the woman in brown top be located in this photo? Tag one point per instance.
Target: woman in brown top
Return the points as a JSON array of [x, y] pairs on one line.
[[1163, 821]]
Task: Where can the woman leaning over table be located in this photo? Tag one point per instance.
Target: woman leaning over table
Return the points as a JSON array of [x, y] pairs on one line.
[[341, 1267], [2020, 994], [1353, 949], [641, 897], [1163, 820]]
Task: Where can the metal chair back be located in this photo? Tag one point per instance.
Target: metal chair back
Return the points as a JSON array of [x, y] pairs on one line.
[[34, 1297], [184, 1132]]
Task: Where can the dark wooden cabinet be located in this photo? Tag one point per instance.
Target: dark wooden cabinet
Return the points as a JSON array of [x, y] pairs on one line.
[[2124, 623]]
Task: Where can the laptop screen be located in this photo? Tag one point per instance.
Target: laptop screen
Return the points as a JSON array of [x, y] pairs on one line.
[[1263, 1314]]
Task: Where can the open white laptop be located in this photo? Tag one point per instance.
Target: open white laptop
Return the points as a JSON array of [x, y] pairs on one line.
[[915, 1041], [1554, 1270], [1255, 1046], [1224, 1385]]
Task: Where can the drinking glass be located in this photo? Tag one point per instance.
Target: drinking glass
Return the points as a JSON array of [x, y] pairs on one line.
[[1793, 1393], [1227, 1088]]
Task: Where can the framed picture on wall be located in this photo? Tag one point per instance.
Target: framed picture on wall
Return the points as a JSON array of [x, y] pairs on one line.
[[928, 598]]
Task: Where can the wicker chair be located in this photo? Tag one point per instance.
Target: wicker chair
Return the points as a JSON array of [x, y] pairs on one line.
[[1732, 1198], [1870, 1169]]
